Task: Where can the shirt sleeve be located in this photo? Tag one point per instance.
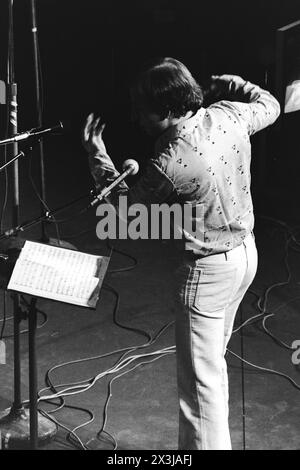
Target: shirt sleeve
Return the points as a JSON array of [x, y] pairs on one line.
[[254, 105], [153, 187]]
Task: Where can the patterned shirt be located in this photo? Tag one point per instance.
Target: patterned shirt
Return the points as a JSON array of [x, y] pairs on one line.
[[204, 163]]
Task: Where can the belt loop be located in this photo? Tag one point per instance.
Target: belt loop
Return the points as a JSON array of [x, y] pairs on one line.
[[226, 257]]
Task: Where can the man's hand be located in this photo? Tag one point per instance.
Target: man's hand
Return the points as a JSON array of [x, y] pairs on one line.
[[226, 80], [226, 87], [92, 136]]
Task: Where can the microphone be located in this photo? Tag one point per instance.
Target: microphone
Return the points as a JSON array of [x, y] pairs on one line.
[[130, 167], [35, 132]]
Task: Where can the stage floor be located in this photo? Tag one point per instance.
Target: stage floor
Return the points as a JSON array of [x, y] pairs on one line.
[[142, 412]]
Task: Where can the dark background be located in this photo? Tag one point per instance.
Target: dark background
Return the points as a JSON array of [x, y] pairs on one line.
[[90, 49]]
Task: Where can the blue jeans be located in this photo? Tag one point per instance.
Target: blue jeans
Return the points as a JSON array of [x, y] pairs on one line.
[[208, 293]]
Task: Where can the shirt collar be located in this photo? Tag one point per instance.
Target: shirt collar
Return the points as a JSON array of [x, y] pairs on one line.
[[181, 128]]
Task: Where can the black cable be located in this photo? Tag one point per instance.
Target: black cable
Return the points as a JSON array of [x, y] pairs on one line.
[[70, 431], [108, 438], [103, 434], [265, 369], [262, 306], [116, 308], [60, 399], [126, 268], [109, 395], [35, 189]]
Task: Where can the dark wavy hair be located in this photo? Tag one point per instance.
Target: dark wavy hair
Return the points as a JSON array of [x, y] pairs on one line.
[[165, 86]]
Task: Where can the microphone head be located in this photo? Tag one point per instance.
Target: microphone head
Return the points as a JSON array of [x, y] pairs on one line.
[[131, 165]]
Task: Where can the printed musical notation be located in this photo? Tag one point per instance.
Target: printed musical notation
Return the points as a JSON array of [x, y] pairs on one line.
[[59, 274]]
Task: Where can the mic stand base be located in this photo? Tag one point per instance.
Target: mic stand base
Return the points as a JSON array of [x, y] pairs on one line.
[[15, 429], [22, 428]]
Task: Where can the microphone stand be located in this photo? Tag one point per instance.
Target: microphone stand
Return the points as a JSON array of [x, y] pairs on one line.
[[17, 411], [15, 423], [20, 427], [36, 220], [44, 236]]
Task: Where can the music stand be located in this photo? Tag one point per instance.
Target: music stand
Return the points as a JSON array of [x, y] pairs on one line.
[[59, 274]]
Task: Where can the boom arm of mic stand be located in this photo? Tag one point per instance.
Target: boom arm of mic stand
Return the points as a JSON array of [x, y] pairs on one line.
[[16, 157], [20, 154], [25, 225]]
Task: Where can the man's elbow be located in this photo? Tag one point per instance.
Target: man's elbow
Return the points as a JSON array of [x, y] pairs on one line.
[[272, 111]]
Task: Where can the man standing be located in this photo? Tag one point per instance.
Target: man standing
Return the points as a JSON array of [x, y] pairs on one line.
[[202, 158]]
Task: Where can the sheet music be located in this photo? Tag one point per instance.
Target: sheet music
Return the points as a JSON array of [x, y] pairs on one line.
[[59, 274]]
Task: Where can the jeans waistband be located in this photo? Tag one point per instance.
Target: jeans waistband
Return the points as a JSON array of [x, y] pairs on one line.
[[224, 254]]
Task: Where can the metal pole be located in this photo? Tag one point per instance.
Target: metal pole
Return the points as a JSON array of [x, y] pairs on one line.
[[34, 30], [13, 130], [33, 401], [14, 425]]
